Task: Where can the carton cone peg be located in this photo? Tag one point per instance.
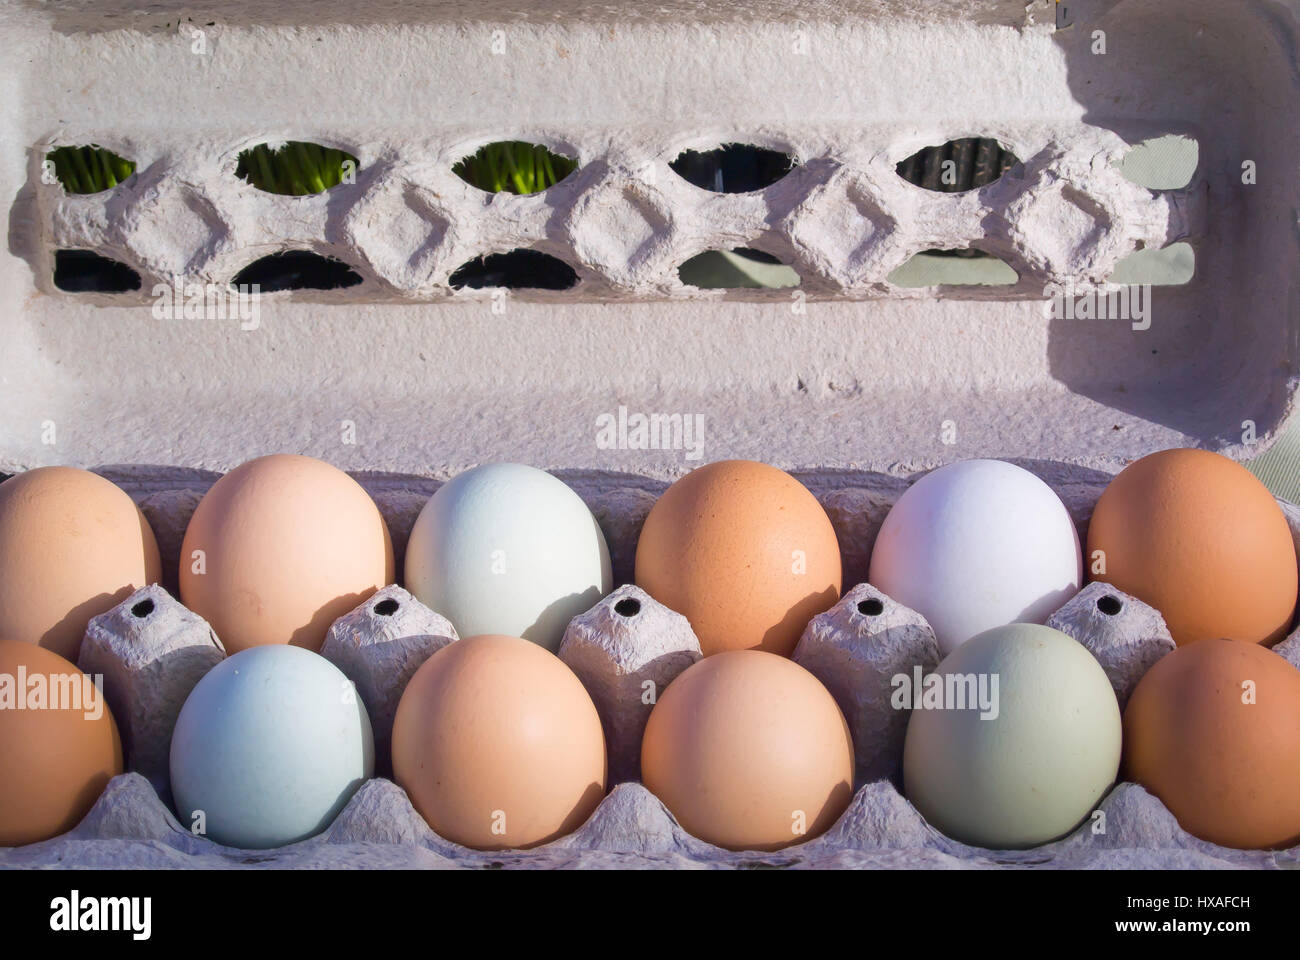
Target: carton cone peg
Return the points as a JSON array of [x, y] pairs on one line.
[[150, 651], [626, 650], [1123, 633], [857, 648], [379, 646]]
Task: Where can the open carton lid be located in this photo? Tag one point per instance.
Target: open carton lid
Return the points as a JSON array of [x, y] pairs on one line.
[[850, 374]]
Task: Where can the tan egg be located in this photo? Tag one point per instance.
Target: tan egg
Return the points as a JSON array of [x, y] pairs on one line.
[[1198, 537], [281, 547], [59, 746], [72, 546], [1213, 730], [744, 552], [749, 751], [498, 744]]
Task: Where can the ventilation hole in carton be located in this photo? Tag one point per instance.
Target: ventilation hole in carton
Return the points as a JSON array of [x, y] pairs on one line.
[[958, 165], [1109, 604], [89, 169], [84, 271], [628, 607], [515, 270], [1170, 266], [737, 269], [733, 167], [514, 166], [953, 268], [386, 607], [142, 609], [1161, 163], [296, 169], [296, 270], [871, 607]]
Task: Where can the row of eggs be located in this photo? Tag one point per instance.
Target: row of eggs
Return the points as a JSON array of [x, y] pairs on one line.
[[498, 744]]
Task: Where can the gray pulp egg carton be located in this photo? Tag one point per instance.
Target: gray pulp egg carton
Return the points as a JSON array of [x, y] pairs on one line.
[[852, 381], [151, 651]]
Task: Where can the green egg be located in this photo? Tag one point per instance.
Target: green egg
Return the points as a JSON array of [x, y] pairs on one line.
[[1013, 740]]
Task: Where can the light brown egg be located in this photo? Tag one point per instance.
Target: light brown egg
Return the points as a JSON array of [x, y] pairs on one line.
[[58, 752], [744, 552], [1213, 730], [498, 744], [749, 751], [72, 546], [281, 547], [1198, 537]]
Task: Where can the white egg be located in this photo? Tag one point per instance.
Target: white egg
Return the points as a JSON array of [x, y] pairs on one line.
[[1033, 752], [976, 545], [269, 747], [508, 549]]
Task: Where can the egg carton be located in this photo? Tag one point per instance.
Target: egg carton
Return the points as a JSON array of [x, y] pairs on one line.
[[151, 651]]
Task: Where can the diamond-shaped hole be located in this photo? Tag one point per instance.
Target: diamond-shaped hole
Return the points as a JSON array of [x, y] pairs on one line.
[[85, 271], [741, 268], [733, 167], [296, 169], [514, 166], [515, 270], [958, 165], [296, 270], [91, 169]]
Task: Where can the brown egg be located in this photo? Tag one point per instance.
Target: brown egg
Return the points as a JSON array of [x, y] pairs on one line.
[[498, 744], [59, 746], [749, 751], [1213, 730], [1199, 538], [744, 552], [72, 545], [287, 545]]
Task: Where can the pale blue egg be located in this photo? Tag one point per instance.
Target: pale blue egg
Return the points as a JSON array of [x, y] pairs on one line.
[[508, 549], [269, 747]]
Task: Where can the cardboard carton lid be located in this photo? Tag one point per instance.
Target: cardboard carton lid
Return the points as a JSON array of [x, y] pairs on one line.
[[402, 374]]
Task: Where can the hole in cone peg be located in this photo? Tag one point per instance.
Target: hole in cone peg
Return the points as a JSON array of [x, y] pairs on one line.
[[871, 607], [626, 662], [150, 661], [628, 607], [857, 655], [1123, 633], [379, 646]]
